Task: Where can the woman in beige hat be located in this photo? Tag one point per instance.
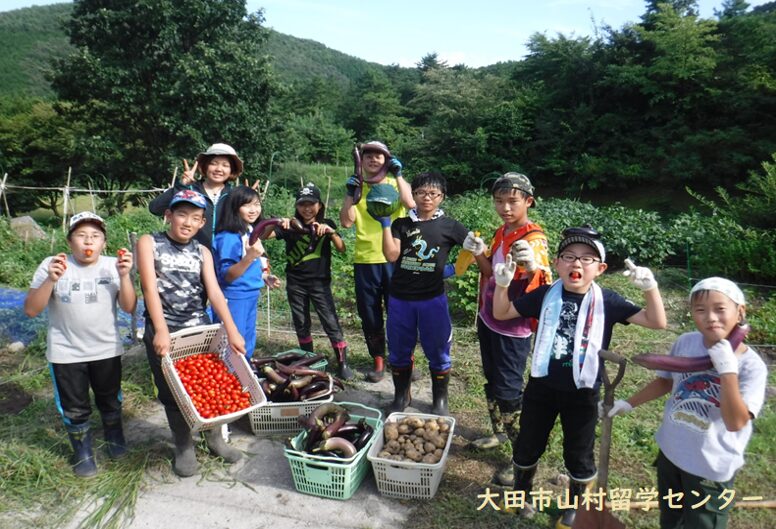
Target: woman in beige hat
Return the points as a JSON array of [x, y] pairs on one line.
[[219, 166]]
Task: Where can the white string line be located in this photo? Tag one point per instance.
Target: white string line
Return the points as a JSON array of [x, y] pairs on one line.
[[82, 190]]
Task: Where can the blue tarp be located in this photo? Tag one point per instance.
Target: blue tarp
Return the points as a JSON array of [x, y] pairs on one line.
[[15, 326]]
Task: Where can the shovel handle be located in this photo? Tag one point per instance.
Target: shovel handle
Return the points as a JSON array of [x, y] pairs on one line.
[[609, 384]]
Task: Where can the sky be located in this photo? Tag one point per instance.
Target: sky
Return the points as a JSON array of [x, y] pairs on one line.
[[474, 32]]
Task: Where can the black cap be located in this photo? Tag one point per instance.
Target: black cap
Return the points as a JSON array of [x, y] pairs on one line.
[[309, 193]]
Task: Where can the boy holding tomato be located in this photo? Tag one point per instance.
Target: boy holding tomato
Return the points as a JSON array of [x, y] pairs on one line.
[[178, 277], [83, 345]]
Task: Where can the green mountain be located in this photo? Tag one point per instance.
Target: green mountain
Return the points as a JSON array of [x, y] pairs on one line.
[[31, 37]]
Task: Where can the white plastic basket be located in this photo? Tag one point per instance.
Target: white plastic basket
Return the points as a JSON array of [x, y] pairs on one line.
[[208, 339], [407, 479], [282, 417]]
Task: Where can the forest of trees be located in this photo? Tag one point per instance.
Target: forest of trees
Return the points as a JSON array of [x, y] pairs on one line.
[[670, 101]]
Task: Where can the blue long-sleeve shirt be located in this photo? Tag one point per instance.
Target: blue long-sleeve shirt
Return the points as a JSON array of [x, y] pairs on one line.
[[228, 250]]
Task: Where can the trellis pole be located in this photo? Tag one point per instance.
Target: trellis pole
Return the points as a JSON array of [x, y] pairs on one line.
[[3, 194], [65, 198], [133, 278]]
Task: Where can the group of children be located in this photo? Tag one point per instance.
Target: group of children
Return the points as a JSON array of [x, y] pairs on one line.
[[205, 257]]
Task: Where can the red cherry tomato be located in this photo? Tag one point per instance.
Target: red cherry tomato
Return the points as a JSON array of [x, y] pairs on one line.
[[212, 388]]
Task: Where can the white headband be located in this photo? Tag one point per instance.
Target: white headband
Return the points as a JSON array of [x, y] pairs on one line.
[[720, 284]]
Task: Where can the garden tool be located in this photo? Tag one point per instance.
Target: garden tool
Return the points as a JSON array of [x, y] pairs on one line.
[[591, 517]]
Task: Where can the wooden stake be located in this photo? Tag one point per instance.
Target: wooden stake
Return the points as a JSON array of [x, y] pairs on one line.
[[133, 278], [174, 176], [65, 198], [91, 196], [4, 195]]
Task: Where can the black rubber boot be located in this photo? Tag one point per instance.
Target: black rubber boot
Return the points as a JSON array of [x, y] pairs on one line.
[[567, 517], [402, 396], [343, 371], [439, 384], [218, 447], [375, 344], [306, 346], [185, 461], [82, 461], [524, 482], [499, 436], [114, 435]]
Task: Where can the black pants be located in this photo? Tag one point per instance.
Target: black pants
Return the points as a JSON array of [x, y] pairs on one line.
[[71, 389], [299, 298], [578, 410], [680, 513], [503, 363], [164, 394]]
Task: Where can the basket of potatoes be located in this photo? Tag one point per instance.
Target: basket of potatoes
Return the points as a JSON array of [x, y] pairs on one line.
[[409, 458]]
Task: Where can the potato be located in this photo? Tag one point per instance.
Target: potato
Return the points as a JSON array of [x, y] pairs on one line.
[[438, 441], [405, 428], [391, 432], [414, 455], [419, 432], [431, 425], [438, 452], [414, 422], [429, 447], [430, 459], [444, 426], [393, 446], [384, 454]]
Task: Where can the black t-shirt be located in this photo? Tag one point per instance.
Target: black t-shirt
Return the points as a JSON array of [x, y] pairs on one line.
[[560, 374], [425, 244], [305, 263]]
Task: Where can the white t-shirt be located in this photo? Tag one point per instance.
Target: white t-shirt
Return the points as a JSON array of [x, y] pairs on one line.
[[83, 322], [693, 435]]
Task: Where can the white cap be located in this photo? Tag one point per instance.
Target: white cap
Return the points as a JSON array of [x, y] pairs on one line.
[[720, 284]]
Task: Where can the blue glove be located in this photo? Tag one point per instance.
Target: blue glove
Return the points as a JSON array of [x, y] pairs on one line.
[[395, 167], [385, 222], [448, 271], [351, 185]]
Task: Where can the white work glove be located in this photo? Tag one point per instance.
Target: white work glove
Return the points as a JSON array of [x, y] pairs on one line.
[[474, 244], [620, 407], [640, 276], [723, 357], [504, 272], [523, 255]]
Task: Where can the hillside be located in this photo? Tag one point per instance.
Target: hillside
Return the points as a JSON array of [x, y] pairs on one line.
[[31, 37]]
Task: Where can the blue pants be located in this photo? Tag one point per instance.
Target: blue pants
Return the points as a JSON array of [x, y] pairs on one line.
[[243, 313], [503, 363], [429, 319], [372, 281]]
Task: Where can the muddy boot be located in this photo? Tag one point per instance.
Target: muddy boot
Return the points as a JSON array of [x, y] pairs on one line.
[[575, 490], [524, 482], [82, 461], [439, 383], [341, 353], [185, 458], [401, 389], [375, 344], [114, 435], [499, 436], [510, 418], [218, 447], [307, 345]]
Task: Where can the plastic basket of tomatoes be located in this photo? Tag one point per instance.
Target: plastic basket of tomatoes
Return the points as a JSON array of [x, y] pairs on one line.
[[212, 384]]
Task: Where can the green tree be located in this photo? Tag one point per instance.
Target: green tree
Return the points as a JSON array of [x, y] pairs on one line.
[[157, 80], [373, 109]]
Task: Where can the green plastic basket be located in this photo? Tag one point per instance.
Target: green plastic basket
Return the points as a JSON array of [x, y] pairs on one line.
[[332, 477]]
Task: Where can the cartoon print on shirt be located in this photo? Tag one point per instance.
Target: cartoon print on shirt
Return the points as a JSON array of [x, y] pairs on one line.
[[420, 249], [695, 398], [422, 260]]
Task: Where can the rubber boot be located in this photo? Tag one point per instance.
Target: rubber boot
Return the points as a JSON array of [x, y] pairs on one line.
[[439, 383], [524, 477], [82, 461], [575, 490], [217, 445], [510, 418], [307, 346], [402, 396], [499, 436], [185, 458], [375, 344], [114, 435], [343, 371]]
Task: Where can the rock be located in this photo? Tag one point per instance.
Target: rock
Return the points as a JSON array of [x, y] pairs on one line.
[[15, 347], [26, 228]]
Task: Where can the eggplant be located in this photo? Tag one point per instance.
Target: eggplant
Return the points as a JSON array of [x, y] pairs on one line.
[[273, 376], [307, 360], [330, 408], [313, 436], [364, 438], [339, 421], [357, 171], [337, 444]]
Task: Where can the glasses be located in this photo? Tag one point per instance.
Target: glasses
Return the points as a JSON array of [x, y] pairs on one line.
[[427, 194], [87, 237], [586, 260]]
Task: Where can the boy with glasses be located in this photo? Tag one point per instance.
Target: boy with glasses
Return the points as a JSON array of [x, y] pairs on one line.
[[418, 246], [576, 318], [83, 345]]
